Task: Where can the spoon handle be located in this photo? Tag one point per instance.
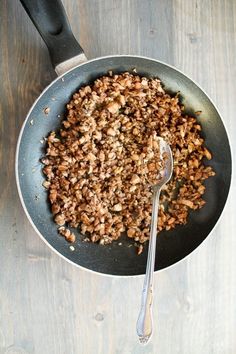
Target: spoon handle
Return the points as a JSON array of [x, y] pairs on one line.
[[144, 323]]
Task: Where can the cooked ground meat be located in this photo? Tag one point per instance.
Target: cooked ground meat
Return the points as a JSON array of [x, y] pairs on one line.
[[100, 166]]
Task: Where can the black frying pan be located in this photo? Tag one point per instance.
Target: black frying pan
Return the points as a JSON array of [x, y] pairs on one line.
[[50, 19]]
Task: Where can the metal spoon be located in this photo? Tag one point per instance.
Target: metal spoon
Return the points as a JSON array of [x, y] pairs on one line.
[[144, 323]]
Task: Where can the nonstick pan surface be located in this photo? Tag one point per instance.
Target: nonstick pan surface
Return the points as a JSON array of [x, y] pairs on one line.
[[172, 245], [115, 259]]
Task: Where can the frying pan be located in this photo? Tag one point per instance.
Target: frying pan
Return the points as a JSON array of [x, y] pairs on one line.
[[45, 115]]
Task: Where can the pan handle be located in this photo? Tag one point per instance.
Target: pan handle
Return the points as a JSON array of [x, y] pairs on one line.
[[49, 17]]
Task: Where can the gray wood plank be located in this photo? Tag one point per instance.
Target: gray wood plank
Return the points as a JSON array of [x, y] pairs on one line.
[[47, 305]]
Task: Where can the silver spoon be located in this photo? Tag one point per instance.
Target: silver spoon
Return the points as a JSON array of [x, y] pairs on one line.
[[144, 323]]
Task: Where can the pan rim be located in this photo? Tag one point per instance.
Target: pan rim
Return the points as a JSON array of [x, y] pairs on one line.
[[18, 178]]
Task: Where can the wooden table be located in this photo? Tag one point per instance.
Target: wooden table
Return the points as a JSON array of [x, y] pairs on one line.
[[48, 306]]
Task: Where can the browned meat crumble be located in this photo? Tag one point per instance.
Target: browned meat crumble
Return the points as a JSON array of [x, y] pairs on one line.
[[99, 167]]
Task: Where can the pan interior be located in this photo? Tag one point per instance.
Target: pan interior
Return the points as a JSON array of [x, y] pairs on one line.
[[116, 259]]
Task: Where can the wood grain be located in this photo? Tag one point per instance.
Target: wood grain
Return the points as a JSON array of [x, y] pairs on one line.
[[47, 305]]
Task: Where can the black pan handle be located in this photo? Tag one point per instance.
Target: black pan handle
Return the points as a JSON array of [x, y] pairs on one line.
[[49, 17]]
